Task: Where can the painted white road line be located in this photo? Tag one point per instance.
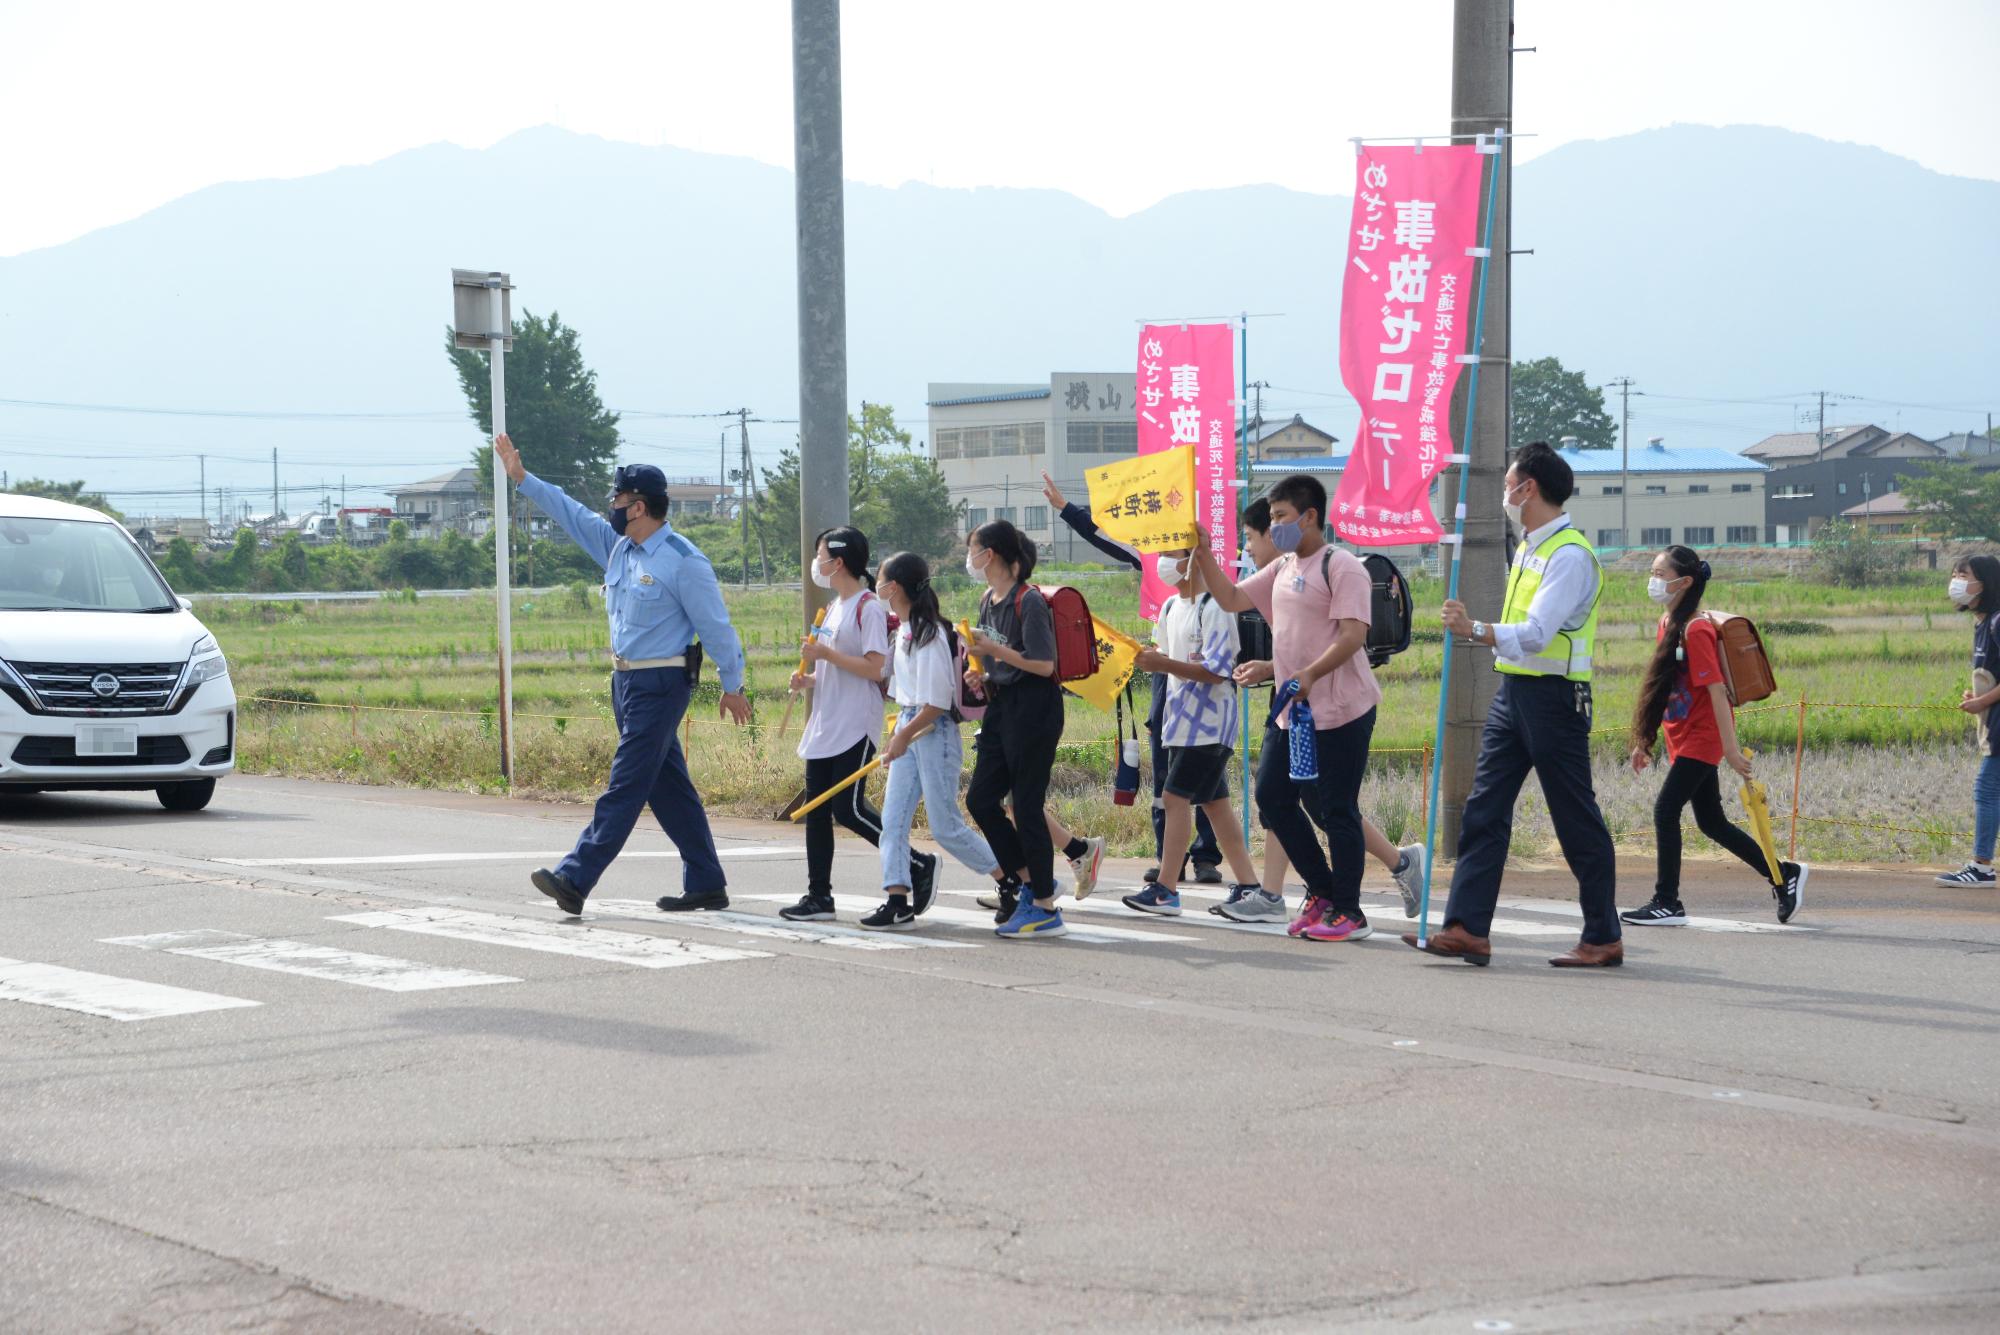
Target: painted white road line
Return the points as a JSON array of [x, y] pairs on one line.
[[555, 938], [327, 962], [102, 994], [775, 929], [982, 920], [1196, 915], [425, 859], [1566, 909]]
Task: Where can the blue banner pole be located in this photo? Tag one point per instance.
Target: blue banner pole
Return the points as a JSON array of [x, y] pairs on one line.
[[1458, 532]]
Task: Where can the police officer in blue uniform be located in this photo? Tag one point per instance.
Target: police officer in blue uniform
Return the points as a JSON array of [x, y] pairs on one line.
[[661, 595]]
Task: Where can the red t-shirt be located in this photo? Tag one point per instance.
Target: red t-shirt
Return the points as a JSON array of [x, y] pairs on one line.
[[1690, 722]]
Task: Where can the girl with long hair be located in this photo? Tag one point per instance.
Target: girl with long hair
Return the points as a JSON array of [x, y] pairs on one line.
[[1975, 588], [923, 755], [1015, 642], [846, 661], [1683, 693]]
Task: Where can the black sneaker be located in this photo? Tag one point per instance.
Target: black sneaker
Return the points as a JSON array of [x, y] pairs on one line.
[[809, 909], [1793, 891], [891, 917], [557, 887], [923, 882], [1659, 913], [1207, 875], [1009, 901]]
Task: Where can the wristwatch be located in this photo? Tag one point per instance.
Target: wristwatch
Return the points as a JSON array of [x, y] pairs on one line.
[[1479, 632]]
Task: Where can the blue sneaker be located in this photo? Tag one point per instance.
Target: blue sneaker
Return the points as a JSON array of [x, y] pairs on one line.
[[1031, 921], [1156, 898]]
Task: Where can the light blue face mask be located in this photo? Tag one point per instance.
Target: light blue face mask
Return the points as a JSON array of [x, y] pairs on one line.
[[1286, 535]]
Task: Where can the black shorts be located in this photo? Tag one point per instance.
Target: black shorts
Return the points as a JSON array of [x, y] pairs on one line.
[[1198, 774]]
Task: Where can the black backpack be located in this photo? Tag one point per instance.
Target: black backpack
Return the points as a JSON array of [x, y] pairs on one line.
[[1389, 607]]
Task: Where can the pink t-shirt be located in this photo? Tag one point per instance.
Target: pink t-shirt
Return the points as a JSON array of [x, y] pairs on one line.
[[1305, 609]]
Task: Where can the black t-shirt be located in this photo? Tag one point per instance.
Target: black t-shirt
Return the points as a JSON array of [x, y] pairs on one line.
[[1031, 630], [1986, 655]]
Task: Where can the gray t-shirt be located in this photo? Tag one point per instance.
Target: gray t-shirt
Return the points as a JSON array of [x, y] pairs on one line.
[[1031, 630]]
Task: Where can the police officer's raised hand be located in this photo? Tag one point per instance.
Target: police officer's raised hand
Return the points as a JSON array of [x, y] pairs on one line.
[[736, 707], [510, 458]]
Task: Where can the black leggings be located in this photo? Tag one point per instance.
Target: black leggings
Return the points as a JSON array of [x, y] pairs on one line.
[[1694, 781], [850, 808], [1017, 749]]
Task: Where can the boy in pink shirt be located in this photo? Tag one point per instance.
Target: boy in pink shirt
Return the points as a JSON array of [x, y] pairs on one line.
[[1316, 599]]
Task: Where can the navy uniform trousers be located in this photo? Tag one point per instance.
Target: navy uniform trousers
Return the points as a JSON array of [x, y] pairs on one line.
[[648, 769], [1540, 724]]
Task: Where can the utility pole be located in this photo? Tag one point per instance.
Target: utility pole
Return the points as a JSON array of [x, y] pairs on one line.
[[203, 512], [1482, 101], [1624, 385], [274, 484], [743, 505], [1257, 388], [822, 276], [867, 457]]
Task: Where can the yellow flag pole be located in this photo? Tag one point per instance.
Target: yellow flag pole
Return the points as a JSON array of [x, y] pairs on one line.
[[847, 782], [819, 619]]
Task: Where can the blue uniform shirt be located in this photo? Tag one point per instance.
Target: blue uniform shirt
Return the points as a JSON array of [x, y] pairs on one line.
[[660, 594]]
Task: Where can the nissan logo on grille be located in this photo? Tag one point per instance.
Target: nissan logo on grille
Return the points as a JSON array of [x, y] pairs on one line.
[[105, 685]]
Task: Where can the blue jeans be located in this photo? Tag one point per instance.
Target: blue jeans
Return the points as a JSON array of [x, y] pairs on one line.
[[1985, 809], [648, 769], [929, 772]]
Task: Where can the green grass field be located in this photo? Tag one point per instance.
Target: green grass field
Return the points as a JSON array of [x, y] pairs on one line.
[[1899, 646]]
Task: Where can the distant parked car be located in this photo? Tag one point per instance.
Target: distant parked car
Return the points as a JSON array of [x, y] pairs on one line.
[[107, 679]]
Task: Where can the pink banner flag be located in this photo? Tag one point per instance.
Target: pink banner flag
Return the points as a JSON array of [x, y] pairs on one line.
[[1184, 398], [1405, 313]]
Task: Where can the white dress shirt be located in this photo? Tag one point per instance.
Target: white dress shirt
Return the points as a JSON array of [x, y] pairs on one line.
[[1562, 602]]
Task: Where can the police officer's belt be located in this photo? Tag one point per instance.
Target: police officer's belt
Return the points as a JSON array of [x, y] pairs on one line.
[[638, 664]]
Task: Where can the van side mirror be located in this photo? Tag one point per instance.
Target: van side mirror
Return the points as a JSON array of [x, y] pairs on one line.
[[187, 604]]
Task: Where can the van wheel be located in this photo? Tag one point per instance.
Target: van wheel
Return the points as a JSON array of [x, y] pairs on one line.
[[192, 795]]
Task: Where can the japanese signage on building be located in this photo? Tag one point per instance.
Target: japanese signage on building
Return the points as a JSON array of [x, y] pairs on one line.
[[1182, 397], [1406, 313]]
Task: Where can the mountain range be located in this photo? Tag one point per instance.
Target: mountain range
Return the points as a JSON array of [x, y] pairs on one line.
[[1709, 264]]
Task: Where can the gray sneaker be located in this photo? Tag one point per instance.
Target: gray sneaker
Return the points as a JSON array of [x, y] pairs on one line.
[[1257, 906], [1086, 866], [1410, 880]]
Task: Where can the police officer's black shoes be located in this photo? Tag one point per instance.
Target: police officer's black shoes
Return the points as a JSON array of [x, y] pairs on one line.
[[557, 887], [687, 903]]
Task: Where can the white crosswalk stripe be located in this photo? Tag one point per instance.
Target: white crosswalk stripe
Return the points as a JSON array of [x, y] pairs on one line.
[[774, 929], [426, 859], [297, 957], [981, 920], [104, 994], [555, 938]]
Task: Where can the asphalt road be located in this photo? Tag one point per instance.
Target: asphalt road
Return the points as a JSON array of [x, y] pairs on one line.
[[363, 1078]]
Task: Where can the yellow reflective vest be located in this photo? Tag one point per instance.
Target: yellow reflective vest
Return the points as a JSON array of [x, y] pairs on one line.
[[1568, 652]]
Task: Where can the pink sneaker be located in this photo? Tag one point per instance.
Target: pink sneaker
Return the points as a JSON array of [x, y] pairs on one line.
[[1338, 927], [1308, 915]]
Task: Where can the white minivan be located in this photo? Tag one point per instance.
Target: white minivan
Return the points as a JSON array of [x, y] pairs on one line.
[[107, 680]]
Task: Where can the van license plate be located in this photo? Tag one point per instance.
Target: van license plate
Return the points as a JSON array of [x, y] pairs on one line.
[[101, 741]]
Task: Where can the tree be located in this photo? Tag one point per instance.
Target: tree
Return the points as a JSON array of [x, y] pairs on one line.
[[1953, 499], [565, 433], [71, 493], [894, 495], [1848, 555], [1551, 402]]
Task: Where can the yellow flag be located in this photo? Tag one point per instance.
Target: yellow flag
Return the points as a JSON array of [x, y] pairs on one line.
[[1116, 653], [1147, 502]]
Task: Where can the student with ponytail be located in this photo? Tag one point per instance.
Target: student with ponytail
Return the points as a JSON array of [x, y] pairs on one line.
[[1683, 692], [1975, 590]]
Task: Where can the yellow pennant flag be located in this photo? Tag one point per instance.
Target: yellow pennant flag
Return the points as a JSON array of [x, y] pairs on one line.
[[1147, 502], [1116, 653]]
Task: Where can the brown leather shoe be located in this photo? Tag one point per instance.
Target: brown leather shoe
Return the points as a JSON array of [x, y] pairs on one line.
[[1454, 942], [1586, 956]]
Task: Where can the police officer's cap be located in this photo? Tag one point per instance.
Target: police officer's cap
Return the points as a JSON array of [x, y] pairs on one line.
[[640, 480]]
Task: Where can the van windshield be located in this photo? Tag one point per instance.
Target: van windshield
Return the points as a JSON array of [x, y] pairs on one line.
[[75, 565]]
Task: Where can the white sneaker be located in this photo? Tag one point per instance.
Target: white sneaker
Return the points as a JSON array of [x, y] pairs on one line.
[[1410, 880], [1257, 906], [1086, 867]]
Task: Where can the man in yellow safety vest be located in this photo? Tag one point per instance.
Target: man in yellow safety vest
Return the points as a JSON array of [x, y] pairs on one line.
[[1540, 720]]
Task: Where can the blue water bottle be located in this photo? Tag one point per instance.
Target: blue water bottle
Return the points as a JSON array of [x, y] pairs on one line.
[[1305, 744]]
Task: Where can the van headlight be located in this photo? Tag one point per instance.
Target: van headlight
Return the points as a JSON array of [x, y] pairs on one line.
[[206, 662]]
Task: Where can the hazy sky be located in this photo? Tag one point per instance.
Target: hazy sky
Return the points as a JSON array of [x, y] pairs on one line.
[[115, 108]]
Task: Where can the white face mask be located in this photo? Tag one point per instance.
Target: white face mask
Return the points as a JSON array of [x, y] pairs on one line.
[[1657, 590], [1168, 569], [976, 571], [821, 578], [1512, 510], [1959, 591]]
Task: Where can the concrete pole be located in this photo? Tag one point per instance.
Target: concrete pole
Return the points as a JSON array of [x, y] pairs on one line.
[[822, 263], [502, 564], [1482, 100]]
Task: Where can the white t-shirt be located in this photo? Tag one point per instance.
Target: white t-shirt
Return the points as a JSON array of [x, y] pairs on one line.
[[925, 676], [846, 708], [1198, 713]]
